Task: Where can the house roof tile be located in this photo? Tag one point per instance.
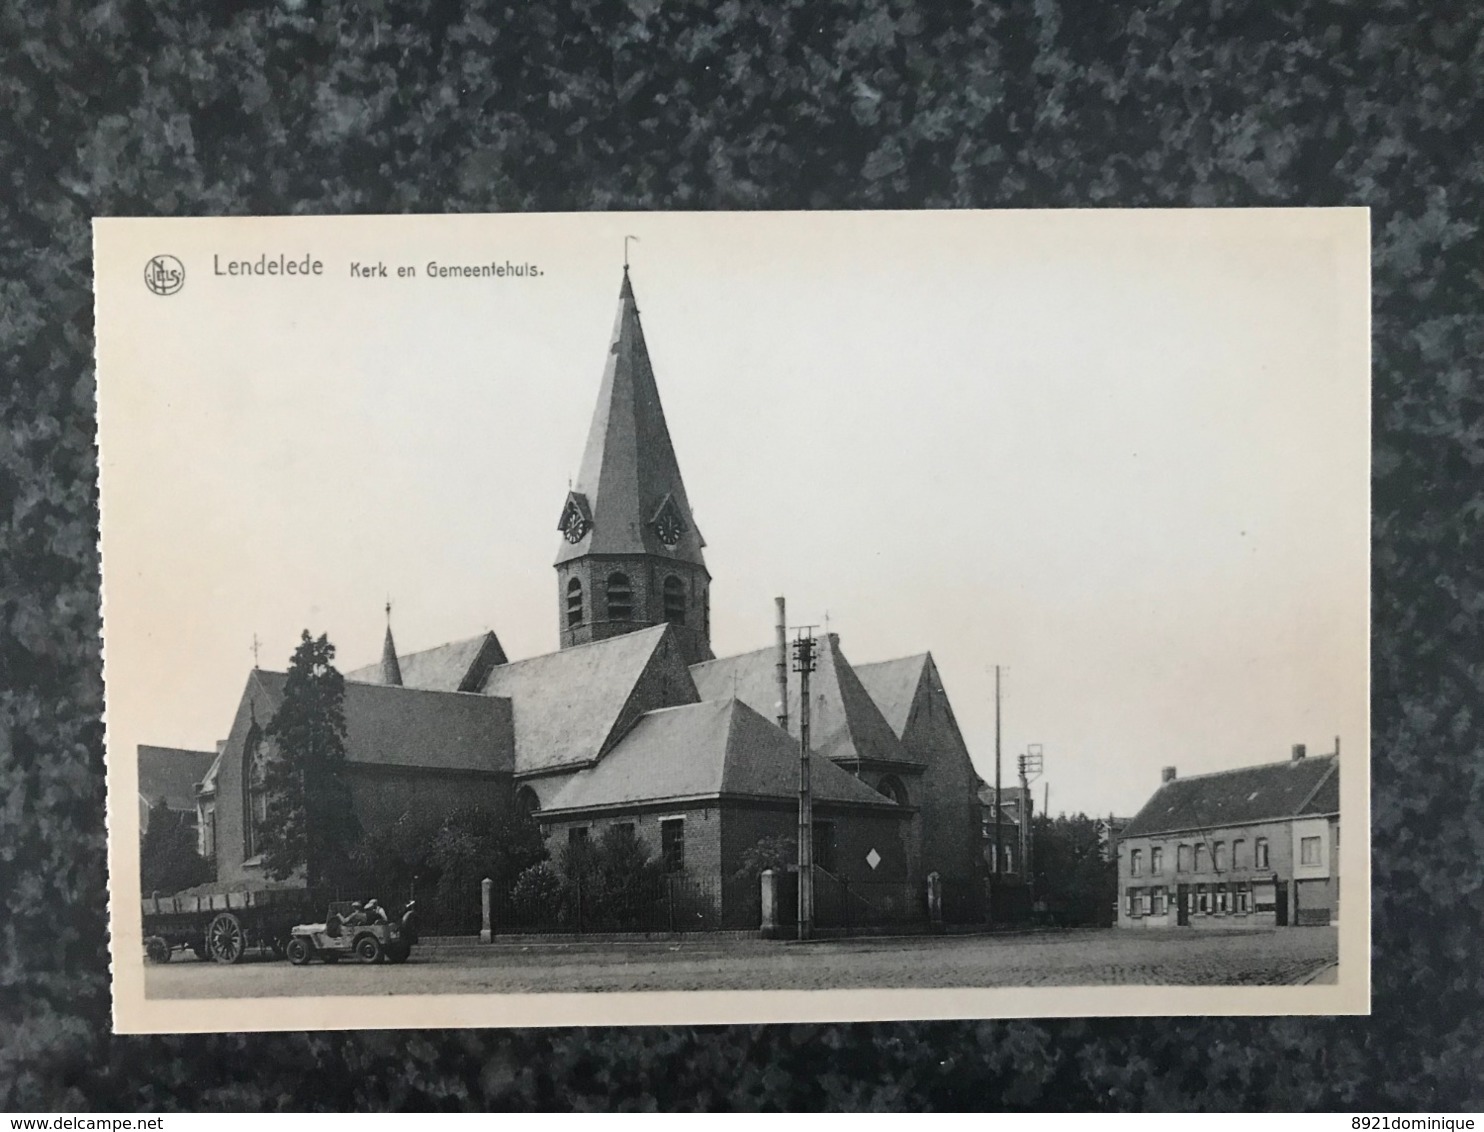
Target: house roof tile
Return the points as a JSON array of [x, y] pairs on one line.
[[1272, 791]]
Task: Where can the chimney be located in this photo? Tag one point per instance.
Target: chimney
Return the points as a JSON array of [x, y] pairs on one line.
[[1167, 775], [1299, 751], [782, 665]]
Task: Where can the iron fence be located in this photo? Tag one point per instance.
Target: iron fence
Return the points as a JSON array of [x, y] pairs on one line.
[[669, 903]]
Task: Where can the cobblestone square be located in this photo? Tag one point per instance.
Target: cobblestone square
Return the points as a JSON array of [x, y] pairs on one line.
[[1157, 957]]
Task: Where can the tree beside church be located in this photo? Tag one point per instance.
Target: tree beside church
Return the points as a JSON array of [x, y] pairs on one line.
[[309, 823]]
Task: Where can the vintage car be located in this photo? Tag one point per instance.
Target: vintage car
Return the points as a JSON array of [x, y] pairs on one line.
[[349, 932]]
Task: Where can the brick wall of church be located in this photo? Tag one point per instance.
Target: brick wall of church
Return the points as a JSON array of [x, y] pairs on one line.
[[946, 795]]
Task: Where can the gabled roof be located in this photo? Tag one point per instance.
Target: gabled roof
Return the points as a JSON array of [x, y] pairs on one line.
[[571, 705], [1232, 797], [845, 723], [459, 666], [893, 684], [629, 466], [412, 727], [170, 775], [717, 748]]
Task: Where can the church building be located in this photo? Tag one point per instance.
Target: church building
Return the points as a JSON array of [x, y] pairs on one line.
[[633, 720]]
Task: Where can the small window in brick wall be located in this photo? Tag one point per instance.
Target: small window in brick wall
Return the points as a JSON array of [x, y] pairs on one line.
[[672, 844]]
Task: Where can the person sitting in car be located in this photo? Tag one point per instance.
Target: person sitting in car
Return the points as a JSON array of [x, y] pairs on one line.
[[356, 916], [375, 913]]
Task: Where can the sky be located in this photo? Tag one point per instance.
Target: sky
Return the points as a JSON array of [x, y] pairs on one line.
[[1123, 455]]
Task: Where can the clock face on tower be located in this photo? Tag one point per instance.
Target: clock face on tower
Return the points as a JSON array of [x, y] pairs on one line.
[[669, 527], [574, 526]]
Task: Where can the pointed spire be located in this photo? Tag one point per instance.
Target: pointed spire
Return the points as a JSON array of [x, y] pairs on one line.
[[391, 671], [629, 484]]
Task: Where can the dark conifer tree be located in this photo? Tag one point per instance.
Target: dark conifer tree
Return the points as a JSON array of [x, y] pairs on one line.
[[310, 824]]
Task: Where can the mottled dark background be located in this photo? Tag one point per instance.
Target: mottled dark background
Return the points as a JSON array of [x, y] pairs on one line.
[[177, 108]]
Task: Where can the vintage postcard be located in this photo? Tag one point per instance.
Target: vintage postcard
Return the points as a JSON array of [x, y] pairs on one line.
[[734, 617]]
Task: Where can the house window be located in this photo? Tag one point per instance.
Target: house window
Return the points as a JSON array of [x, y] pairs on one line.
[[1244, 898], [1136, 863], [824, 845], [620, 598], [577, 837], [674, 600], [1009, 859], [1200, 858], [1182, 859], [574, 603], [1156, 861], [1239, 854], [1146, 902], [1157, 905], [1203, 899], [1309, 851], [1131, 903], [672, 844], [1218, 856], [1222, 904], [1260, 853]]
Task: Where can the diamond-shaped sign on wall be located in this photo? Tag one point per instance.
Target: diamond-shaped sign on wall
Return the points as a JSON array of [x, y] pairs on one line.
[[873, 858]]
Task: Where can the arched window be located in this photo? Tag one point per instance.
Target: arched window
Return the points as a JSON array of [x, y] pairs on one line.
[[620, 598], [254, 794], [574, 603], [526, 802], [892, 787], [674, 600]]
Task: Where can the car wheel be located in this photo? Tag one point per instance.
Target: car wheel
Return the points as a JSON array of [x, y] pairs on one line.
[[156, 950], [368, 949], [298, 951], [225, 939], [398, 953]]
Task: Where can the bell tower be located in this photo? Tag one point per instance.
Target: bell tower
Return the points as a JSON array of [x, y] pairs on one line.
[[630, 555]]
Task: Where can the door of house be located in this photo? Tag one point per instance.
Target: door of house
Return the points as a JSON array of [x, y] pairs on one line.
[[1280, 909], [1182, 906]]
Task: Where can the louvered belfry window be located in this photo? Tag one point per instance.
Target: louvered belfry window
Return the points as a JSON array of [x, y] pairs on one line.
[[574, 603], [620, 598], [674, 600]]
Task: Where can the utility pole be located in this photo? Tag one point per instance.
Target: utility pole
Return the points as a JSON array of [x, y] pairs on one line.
[[998, 797], [803, 665], [1031, 765]]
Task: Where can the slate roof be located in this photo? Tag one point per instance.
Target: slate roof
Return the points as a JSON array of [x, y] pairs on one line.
[[567, 704], [170, 775], [893, 685], [845, 722], [629, 465], [716, 748], [412, 727], [1232, 797], [459, 666]]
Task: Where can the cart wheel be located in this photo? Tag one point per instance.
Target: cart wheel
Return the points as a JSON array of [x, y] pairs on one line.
[[156, 950], [298, 951], [225, 939], [368, 949]]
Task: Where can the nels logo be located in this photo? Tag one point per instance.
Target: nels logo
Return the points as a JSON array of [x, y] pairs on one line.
[[164, 275]]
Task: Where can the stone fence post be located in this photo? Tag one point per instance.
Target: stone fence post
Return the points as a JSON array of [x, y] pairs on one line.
[[486, 934], [768, 883]]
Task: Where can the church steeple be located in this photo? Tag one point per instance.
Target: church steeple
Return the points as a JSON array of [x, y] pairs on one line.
[[631, 552], [391, 671]]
